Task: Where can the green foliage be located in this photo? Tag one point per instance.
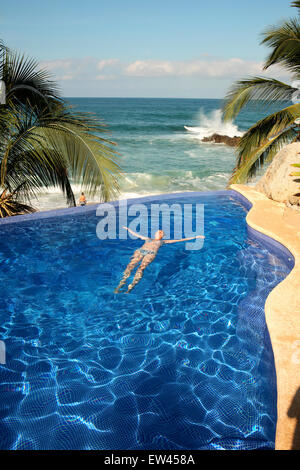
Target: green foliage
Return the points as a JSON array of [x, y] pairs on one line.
[[257, 90], [44, 142], [296, 4], [284, 41], [262, 141], [10, 206], [296, 173]]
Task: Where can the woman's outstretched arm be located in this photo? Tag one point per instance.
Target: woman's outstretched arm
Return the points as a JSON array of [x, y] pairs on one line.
[[136, 234], [183, 239]]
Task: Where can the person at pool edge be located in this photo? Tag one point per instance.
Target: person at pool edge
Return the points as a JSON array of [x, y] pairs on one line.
[[82, 200], [146, 254]]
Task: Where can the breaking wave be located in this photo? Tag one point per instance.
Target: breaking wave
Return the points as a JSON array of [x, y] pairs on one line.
[[212, 123], [144, 184]]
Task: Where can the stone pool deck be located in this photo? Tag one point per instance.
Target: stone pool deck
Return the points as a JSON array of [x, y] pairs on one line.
[[282, 311]]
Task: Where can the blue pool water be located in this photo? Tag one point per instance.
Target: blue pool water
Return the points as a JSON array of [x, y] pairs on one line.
[[183, 362]]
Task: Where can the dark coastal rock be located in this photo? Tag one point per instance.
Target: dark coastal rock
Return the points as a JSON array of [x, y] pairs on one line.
[[222, 139]]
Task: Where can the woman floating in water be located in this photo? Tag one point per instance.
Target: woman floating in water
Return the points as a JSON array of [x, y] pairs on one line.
[[146, 254]]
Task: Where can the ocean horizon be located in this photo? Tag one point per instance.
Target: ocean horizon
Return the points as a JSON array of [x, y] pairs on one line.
[[160, 144]]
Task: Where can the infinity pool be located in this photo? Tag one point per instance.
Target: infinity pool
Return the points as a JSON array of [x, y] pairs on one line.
[[183, 362]]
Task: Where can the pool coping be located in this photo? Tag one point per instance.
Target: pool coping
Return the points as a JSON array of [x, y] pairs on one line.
[[278, 231], [93, 207], [282, 310]]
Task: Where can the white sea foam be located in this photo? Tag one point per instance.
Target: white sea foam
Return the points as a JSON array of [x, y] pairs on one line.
[[142, 184], [213, 124], [174, 176], [174, 163]]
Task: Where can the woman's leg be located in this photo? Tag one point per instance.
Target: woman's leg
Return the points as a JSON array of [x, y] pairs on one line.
[[136, 258], [140, 271]]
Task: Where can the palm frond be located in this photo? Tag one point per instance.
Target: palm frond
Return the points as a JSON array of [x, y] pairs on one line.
[[284, 41], [52, 148], [263, 91], [264, 154], [3, 50], [25, 82], [90, 160], [9, 206], [262, 141], [44, 142], [296, 4]]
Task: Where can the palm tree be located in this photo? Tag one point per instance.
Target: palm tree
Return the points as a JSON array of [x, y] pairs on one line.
[[264, 139], [44, 142]]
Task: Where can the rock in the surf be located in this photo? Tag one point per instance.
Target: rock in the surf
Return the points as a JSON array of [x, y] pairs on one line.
[[222, 139]]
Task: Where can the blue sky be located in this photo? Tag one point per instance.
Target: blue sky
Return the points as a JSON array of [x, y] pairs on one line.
[[165, 48]]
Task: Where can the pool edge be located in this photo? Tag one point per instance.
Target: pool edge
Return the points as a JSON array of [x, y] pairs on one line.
[[282, 304], [77, 210]]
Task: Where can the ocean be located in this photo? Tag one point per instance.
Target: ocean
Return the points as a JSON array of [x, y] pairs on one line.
[[160, 144]]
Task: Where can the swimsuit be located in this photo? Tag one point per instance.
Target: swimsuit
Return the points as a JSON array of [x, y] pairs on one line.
[[145, 252]]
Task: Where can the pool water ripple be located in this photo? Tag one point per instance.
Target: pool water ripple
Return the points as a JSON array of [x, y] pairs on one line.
[[183, 362]]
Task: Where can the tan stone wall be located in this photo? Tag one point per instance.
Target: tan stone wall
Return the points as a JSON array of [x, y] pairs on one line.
[[277, 183], [282, 311]]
